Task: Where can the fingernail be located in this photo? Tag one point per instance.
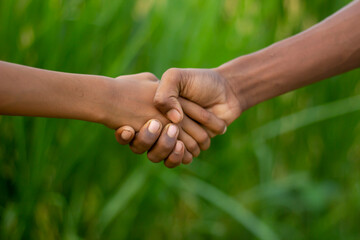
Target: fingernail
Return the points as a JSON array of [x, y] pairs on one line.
[[224, 130], [154, 126], [178, 147], [174, 115], [125, 135], [172, 130]]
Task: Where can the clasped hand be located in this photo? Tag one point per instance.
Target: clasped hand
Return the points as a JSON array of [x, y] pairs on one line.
[[186, 108]]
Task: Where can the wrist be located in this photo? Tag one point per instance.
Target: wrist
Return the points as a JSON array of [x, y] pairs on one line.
[[234, 101], [120, 103], [96, 104], [111, 110], [238, 75], [251, 77]]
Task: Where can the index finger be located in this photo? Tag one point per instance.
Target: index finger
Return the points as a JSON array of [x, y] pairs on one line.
[[203, 116]]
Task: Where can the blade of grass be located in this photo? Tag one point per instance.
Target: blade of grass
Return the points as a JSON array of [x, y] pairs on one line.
[[294, 122], [306, 117], [131, 186], [224, 202]]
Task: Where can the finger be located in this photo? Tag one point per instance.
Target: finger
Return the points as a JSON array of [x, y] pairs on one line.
[[124, 135], [146, 137], [166, 96], [175, 158], [187, 159], [203, 116], [196, 132], [190, 144], [165, 144], [210, 133]]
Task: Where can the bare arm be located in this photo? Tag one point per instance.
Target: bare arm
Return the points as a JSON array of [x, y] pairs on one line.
[[27, 91], [327, 49]]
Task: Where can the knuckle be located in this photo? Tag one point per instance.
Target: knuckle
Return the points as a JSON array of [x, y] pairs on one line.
[[196, 153], [203, 137], [187, 160], [160, 100], [145, 141], [212, 134], [153, 158], [141, 143], [120, 140], [166, 146], [162, 155], [162, 150], [168, 165], [205, 145], [172, 73], [149, 75], [171, 162], [220, 128], [194, 149], [136, 150]]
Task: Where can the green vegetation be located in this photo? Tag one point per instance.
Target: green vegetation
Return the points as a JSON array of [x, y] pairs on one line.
[[287, 169]]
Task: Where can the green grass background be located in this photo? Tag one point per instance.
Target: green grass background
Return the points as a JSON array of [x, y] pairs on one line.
[[286, 169]]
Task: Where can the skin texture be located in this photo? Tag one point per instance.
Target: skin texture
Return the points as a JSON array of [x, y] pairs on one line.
[[159, 145], [203, 86], [207, 88], [26, 91], [327, 49]]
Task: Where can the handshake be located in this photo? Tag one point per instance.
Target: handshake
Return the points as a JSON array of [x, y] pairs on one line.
[[172, 119]]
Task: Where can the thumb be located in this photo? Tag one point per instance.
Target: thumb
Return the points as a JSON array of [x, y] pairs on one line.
[[167, 94], [124, 135]]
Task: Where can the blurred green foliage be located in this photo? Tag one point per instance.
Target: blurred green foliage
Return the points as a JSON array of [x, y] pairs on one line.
[[287, 169]]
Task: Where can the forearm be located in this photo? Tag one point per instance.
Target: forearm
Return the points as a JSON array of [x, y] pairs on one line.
[[27, 91], [327, 49]]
